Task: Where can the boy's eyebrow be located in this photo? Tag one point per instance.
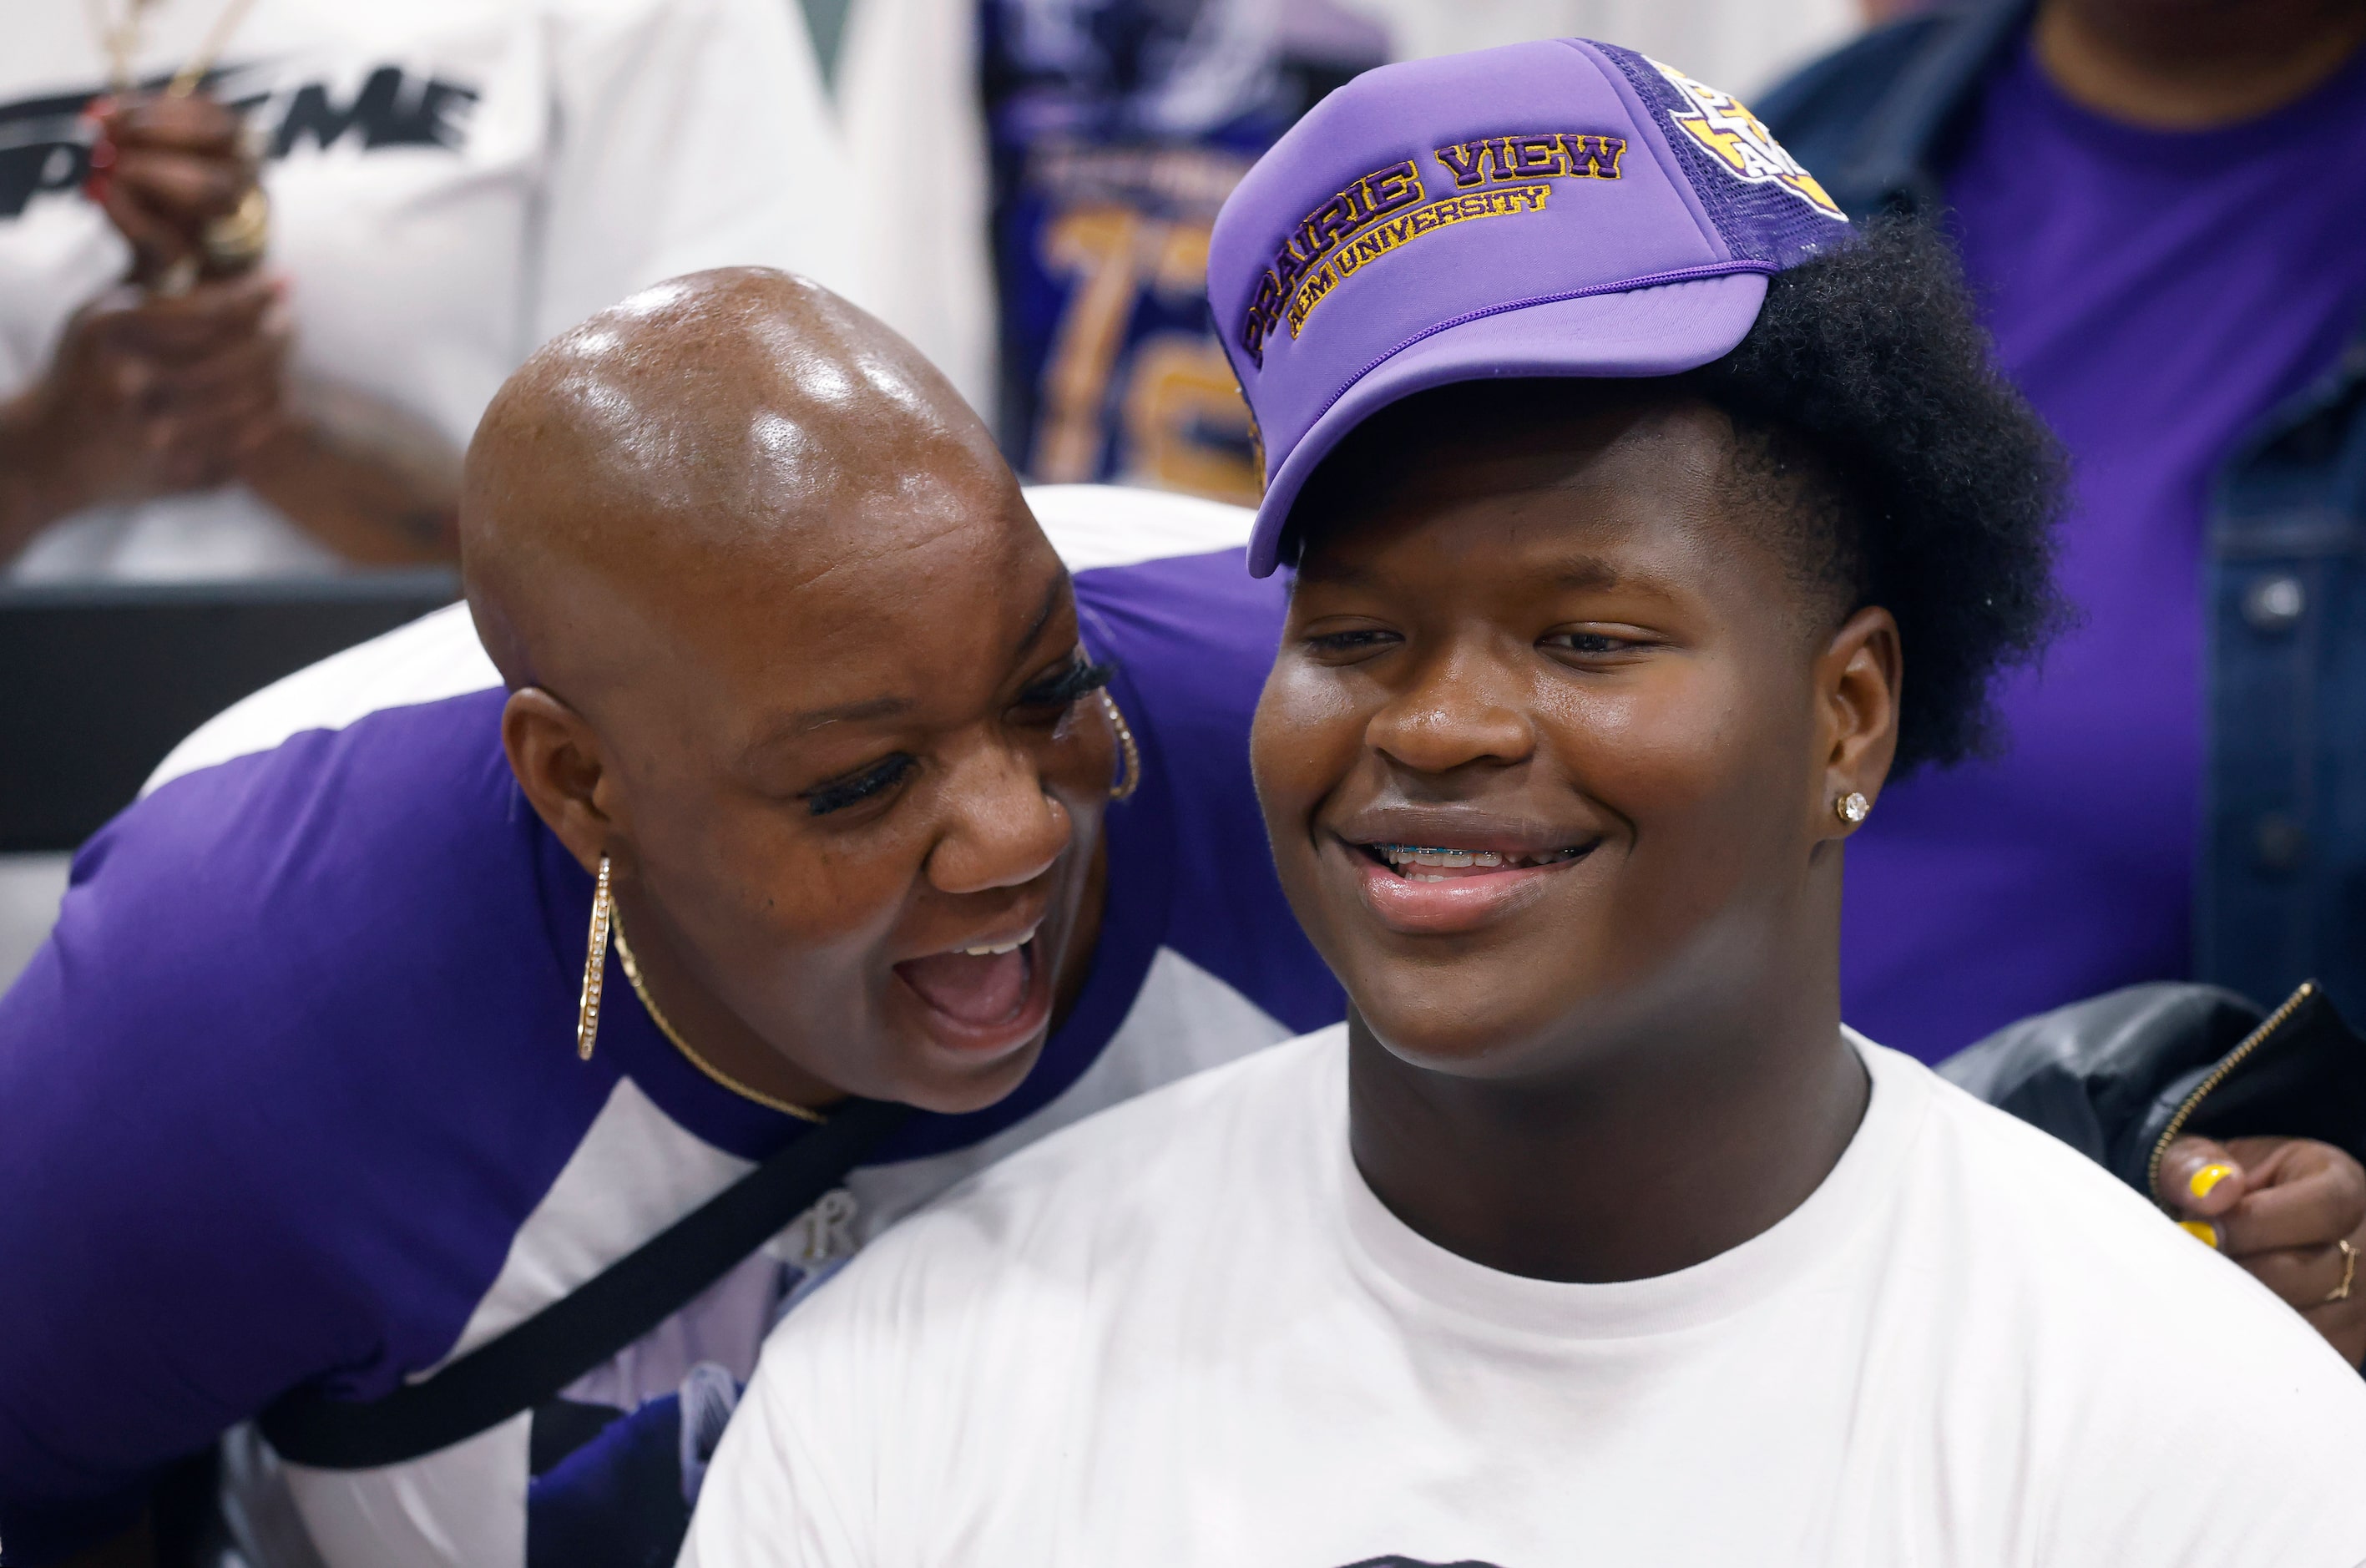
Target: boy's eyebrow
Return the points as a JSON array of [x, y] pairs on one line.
[[1585, 573], [1317, 572], [1577, 571]]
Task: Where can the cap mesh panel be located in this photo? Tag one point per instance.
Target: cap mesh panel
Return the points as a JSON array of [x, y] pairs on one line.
[[1760, 220]]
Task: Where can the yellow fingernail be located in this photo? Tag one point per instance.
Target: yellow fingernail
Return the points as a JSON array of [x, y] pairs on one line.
[[2209, 1175], [2201, 1231]]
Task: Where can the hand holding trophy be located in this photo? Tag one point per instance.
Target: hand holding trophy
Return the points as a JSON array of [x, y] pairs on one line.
[[174, 170]]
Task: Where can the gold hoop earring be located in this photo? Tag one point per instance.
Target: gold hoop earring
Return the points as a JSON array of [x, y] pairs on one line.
[[1852, 807], [1128, 777], [595, 966]]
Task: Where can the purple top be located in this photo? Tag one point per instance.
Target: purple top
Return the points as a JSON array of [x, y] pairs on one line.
[[2154, 294], [309, 1107]]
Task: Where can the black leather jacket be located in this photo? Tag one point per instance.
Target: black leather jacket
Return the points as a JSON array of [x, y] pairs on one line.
[[2121, 1075]]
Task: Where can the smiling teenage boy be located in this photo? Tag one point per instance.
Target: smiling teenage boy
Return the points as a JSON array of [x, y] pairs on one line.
[[1645, 516]]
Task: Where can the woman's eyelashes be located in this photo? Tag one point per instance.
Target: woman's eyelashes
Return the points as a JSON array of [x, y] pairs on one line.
[[1053, 694], [1079, 678], [839, 793]]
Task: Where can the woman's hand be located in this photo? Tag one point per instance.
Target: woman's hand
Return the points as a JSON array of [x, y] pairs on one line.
[[164, 168], [146, 396], [371, 480], [2279, 1207]]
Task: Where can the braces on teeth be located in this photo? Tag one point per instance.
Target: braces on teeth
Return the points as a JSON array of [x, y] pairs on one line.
[[1402, 855]]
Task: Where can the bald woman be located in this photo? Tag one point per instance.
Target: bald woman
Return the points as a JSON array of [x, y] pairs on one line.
[[774, 642], [762, 637]]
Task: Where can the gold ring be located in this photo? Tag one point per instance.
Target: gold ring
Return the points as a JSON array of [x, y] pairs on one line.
[[2348, 1271], [237, 242]]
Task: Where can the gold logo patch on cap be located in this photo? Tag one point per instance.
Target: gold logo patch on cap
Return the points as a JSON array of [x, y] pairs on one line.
[[1371, 217], [1741, 142]]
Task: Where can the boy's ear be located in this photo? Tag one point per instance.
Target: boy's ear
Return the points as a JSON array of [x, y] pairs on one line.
[[1858, 680]]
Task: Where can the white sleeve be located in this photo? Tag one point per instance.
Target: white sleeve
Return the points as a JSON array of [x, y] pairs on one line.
[[911, 99], [689, 134]]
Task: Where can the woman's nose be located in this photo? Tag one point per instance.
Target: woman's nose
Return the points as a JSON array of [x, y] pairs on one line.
[[1005, 830], [1461, 707]]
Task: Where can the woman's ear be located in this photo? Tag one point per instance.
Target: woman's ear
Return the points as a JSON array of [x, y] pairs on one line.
[[558, 762], [1858, 680]]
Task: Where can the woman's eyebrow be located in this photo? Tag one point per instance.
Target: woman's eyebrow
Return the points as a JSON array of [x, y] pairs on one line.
[[873, 708], [783, 734], [1057, 589], [844, 712]]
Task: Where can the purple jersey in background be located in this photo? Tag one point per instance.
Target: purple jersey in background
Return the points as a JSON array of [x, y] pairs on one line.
[[2155, 295]]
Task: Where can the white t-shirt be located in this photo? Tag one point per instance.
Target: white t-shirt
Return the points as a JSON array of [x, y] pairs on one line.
[[452, 183], [1184, 1333]]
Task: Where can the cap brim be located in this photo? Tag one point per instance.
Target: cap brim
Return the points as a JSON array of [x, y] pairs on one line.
[[1660, 331]]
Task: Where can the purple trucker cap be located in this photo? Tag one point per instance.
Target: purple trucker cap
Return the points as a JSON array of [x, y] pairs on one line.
[[1564, 208]]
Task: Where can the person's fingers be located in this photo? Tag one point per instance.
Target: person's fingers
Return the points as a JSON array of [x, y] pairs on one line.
[[2268, 1155], [138, 361], [213, 443], [2201, 1179], [179, 189], [258, 431], [2312, 1196], [162, 169], [204, 319], [103, 365], [235, 387], [191, 123], [206, 468], [2305, 1277], [220, 384], [101, 156], [180, 457], [202, 448], [2304, 1195], [246, 367], [154, 236], [247, 377], [211, 425], [126, 378], [2324, 1285]]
